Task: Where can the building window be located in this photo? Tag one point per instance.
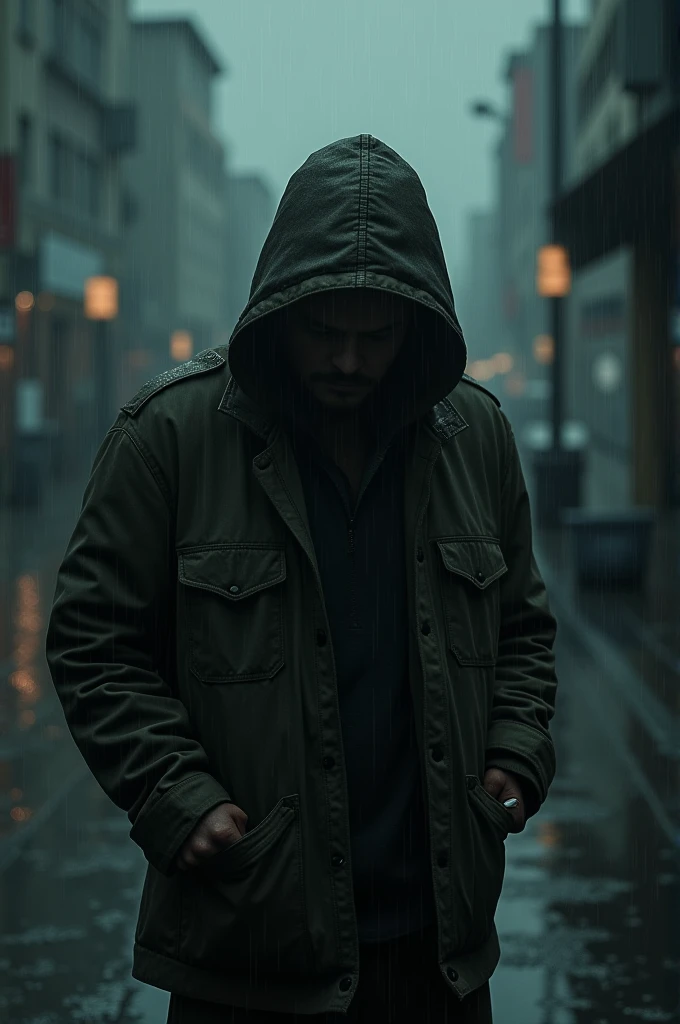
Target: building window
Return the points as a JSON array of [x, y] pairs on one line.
[[25, 149], [204, 156], [77, 36], [58, 26], [88, 45], [26, 21], [75, 177], [93, 190], [600, 71], [55, 166], [63, 176]]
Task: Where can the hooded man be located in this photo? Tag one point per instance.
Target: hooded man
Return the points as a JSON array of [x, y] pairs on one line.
[[300, 637]]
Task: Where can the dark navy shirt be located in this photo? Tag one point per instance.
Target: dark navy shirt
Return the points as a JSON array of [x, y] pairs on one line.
[[360, 553]]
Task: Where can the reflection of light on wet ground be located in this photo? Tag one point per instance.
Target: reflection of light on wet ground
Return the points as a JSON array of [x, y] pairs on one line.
[[575, 922]]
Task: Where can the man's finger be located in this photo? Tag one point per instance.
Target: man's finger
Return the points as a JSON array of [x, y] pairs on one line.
[[494, 781]]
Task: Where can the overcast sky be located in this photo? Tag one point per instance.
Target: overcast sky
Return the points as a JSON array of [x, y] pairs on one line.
[[302, 73]]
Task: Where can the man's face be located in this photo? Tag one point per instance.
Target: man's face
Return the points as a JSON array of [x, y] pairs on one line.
[[342, 342]]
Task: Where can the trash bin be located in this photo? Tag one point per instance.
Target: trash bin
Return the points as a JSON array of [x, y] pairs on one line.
[[557, 473], [611, 548]]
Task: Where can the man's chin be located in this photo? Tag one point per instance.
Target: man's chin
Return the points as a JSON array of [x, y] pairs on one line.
[[340, 397]]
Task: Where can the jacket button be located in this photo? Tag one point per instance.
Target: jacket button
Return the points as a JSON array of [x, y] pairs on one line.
[[345, 983], [328, 762], [234, 590], [337, 860], [420, 555], [451, 974], [442, 860], [480, 576], [425, 628], [321, 638], [437, 754]]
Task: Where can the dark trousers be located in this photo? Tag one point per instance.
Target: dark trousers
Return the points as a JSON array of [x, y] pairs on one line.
[[399, 983]]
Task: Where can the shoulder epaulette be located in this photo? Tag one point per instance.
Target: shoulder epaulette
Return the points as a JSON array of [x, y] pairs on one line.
[[476, 384], [201, 363]]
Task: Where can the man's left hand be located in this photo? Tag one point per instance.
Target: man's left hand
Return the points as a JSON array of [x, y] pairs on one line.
[[503, 786]]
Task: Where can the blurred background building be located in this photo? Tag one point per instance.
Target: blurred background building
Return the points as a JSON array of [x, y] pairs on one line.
[[620, 224], [250, 212], [618, 218], [176, 176], [66, 121], [506, 239], [110, 166]]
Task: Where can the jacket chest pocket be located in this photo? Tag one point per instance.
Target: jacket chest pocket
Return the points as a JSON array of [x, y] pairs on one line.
[[233, 610], [471, 570]]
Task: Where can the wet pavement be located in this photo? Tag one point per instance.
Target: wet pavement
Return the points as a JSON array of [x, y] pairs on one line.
[[589, 919]]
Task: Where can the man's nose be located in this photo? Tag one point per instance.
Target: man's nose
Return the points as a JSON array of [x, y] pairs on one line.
[[348, 357]]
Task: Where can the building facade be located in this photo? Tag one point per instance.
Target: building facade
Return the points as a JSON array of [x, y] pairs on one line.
[[250, 212], [620, 223], [176, 180], [66, 120]]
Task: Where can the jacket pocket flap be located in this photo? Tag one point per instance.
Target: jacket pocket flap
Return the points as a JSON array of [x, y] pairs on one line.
[[233, 570], [478, 559]]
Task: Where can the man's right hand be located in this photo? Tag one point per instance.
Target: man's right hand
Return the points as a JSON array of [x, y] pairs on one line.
[[219, 828]]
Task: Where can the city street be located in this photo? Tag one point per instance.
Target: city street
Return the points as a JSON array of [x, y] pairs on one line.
[[589, 915]]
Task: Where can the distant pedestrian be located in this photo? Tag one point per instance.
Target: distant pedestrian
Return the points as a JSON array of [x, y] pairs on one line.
[[300, 637]]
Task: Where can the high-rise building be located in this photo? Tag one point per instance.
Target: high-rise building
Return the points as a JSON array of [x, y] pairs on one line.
[[176, 179], [478, 298], [250, 211]]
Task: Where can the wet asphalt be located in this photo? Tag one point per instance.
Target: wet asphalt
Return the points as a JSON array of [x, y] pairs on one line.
[[589, 919]]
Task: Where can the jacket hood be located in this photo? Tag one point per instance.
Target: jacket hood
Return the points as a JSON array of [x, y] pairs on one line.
[[354, 215]]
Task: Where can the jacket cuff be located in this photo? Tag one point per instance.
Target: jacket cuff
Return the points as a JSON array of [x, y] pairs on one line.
[[162, 825], [530, 750]]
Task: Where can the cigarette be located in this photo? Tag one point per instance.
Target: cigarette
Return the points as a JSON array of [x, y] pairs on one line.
[[510, 803]]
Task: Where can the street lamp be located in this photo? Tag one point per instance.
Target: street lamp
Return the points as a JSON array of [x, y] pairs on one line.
[[558, 471], [484, 108], [101, 306]]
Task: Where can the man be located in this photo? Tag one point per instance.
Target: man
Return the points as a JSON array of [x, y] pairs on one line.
[[300, 637]]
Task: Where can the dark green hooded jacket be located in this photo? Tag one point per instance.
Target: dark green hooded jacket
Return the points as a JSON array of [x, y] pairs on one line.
[[190, 644]]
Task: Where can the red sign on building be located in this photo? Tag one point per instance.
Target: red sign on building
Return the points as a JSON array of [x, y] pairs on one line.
[[7, 201]]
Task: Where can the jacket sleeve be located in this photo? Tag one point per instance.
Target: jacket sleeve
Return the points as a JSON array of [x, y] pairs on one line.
[[519, 739], [107, 641]]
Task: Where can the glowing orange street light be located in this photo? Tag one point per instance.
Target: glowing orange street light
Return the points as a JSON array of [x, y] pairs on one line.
[[503, 362], [101, 298], [24, 302], [544, 349], [181, 346], [553, 278]]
